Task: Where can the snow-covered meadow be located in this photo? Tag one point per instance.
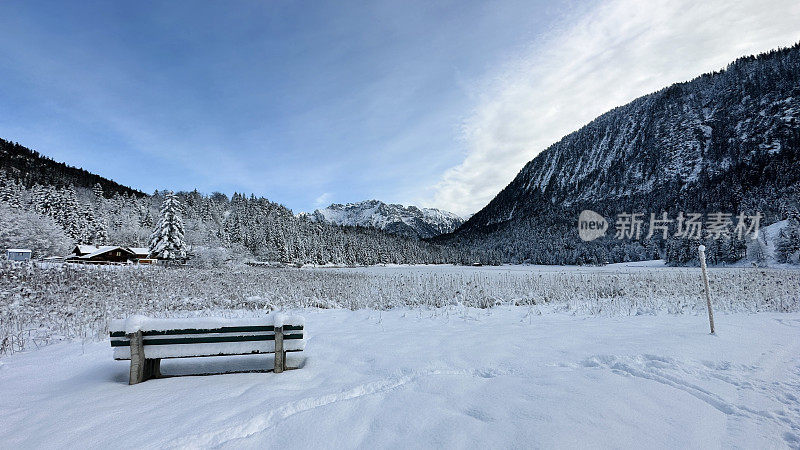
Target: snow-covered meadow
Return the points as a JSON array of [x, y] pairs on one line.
[[41, 304], [437, 356], [452, 378]]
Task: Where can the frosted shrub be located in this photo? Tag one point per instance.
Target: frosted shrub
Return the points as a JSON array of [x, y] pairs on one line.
[[32, 231], [207, 258]]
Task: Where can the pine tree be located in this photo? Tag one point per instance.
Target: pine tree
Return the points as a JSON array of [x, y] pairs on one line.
[[787, 247], [10, 192], [100, 236], [145, 218], [68, 213], [756, 250], [97, 190], [167, 242], [42, 199]]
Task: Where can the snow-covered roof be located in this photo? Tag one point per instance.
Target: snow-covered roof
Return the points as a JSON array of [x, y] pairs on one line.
[[84, 248], [104, 249], [19, 250], [140, 250]]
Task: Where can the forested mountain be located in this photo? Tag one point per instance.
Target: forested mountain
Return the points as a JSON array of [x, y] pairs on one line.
[[727, 141], [50, 220], [395, 219], [48, 207], [29, 168]]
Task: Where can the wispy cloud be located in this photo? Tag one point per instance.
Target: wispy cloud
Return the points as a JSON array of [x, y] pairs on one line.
[[323, 200], [604, 58]]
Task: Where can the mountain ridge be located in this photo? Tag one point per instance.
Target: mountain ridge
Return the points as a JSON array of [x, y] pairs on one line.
[[392, 218], [30, 167], [726, 140]]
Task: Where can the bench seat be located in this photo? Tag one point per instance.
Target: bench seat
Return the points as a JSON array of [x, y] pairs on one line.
[[145, 342]]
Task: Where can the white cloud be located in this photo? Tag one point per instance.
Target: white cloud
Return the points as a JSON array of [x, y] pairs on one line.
[[608, 56], [323, 200]]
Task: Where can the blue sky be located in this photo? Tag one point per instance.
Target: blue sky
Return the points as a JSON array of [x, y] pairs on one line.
[[301, 102], [307, 103]]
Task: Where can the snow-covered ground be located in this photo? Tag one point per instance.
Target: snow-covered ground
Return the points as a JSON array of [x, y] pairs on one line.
[[434, 378], [387, 269], [656, 266]]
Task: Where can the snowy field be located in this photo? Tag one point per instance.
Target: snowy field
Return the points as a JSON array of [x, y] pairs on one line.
[[446, 378], [515, 268], [420, 356], [40, 305]]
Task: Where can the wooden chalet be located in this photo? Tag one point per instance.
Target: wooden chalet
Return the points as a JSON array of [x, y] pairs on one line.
[[103, 254]]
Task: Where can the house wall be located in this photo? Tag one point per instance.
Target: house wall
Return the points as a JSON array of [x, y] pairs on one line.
[[114, 256]]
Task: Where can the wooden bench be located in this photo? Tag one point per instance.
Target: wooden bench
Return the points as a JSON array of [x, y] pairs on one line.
[[145, 342]]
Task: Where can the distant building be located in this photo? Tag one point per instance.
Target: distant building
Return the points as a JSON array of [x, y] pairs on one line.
[[140, 252], [142, 255], [103, 254], [109, 254], [18, 254], [82, 249]]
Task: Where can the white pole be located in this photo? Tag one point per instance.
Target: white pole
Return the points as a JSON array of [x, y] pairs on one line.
[[702, 251]]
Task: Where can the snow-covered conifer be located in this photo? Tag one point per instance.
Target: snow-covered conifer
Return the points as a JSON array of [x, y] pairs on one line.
[[97, 190], [167, 242], [10, 192], [787, 247]]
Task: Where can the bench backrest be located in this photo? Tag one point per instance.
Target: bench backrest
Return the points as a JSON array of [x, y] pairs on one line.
[[177, 342]]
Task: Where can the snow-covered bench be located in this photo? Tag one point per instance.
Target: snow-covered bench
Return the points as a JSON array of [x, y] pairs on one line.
[[145, 342]]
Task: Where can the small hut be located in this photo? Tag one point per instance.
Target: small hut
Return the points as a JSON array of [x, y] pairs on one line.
[[18, 254]]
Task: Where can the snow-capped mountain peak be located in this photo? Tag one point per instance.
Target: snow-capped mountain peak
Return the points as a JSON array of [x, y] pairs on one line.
[[392, 218]]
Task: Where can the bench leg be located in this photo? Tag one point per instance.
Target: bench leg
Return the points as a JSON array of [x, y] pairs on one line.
[[138, 362], [152, 369], [280, 355], [156, 369]]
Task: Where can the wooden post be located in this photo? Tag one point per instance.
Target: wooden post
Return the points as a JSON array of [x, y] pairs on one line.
[[137, 358], [280, 356], [702, 251]]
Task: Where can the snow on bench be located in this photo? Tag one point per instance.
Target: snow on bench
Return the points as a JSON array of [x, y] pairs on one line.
[[145, 341]]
